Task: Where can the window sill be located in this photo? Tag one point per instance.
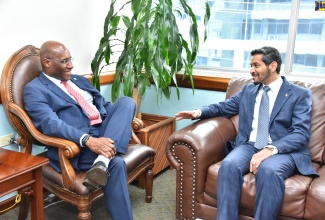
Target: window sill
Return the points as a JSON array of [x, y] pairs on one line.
[[200, 82], [204, 79]]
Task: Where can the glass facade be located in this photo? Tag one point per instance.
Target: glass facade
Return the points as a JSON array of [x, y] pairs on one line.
[[309, 51], [237, 27]]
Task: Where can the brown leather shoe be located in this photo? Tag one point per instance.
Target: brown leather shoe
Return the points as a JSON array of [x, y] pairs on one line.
[[97, 174]]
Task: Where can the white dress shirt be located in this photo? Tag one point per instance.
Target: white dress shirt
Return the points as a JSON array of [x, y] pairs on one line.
[[87, 96], [273, 93]]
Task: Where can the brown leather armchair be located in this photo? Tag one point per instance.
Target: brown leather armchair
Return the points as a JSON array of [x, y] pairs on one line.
[[23, 66], [197, 150]]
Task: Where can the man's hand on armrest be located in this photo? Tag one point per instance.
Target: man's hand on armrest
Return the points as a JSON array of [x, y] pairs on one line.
[[188, 114]]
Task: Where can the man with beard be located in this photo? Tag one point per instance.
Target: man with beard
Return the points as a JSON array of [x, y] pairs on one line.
[[274, 122], [67, 106]]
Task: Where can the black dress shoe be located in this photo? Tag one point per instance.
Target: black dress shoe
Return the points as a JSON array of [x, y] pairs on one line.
[[97, 174], [90, 185]]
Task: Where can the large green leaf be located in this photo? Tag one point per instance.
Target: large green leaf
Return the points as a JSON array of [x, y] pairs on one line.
[[135, 6], [116, 87], [206, 20], [126, 21], [128, 79], [143, 82], [109, 16], [115, 21]]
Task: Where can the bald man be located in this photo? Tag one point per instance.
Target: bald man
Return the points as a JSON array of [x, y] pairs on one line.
[[67, 106]]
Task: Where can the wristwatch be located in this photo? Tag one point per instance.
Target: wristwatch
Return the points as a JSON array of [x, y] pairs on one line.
[[85, 139], [273, 148]]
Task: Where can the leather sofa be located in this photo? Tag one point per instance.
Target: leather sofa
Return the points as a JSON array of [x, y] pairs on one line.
[[197, 151]]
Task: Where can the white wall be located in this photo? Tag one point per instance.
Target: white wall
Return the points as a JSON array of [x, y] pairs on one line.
[[79, 25], [76, 23]]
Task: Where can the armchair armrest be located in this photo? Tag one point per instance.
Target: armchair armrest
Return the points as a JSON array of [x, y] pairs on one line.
[[191, 151], [137, 125], [67, 149]]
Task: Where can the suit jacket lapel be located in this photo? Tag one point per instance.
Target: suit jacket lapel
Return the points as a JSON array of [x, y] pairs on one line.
[[55, 89], [98, 101], [281, 99], [82, 85]]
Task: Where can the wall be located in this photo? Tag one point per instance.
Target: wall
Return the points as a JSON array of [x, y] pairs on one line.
[[188, 101], [78, 25]]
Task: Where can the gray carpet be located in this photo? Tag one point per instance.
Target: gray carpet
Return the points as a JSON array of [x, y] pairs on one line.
[[162, 206]]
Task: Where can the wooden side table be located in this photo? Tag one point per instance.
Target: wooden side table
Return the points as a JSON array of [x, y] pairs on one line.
[[20, 171]]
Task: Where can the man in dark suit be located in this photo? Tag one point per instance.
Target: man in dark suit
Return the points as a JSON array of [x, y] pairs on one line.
[[67, 106], [278, 155]]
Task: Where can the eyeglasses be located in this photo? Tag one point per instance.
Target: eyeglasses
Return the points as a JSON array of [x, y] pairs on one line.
[[65, 61]]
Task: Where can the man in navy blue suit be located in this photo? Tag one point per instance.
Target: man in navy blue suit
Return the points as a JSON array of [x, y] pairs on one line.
[[285, 149], [100, 128]]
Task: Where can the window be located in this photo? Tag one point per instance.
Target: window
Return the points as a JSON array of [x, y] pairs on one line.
[[237, 27], [308, 52], [257, 26], [303, 26]]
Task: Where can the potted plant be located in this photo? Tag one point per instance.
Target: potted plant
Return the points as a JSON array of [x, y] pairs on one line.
[[153, 49]]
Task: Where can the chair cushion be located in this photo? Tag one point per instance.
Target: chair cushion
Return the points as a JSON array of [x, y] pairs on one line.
[[135, 156], [316, 197], [52, 175]]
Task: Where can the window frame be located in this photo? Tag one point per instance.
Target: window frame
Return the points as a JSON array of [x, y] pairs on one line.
[[286, 70]]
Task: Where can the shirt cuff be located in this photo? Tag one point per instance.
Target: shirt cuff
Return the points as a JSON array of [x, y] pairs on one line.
[[200, 113], [80, 141], [274, 149]]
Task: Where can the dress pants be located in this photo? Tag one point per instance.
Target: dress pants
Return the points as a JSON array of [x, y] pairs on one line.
[[269, 183], [117, 126], [116, 190]]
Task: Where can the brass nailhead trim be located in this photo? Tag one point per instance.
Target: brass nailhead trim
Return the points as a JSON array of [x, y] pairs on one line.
[[181, 179]]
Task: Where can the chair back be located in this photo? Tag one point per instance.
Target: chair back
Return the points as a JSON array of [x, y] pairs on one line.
[[22, 67], [316, 143]]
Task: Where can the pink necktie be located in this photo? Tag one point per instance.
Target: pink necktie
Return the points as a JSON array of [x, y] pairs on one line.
[[92, 114]]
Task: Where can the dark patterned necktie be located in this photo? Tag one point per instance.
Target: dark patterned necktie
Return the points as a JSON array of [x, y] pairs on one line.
[[262, 137]]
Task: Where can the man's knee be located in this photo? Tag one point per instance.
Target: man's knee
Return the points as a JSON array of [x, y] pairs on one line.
[[127, 101], [117, 163], [228, 166], [266, 172]]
